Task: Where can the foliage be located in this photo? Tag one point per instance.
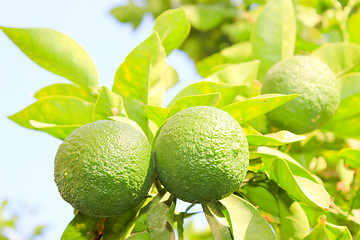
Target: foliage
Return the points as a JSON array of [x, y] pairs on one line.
[[295, 183], [9, 224]]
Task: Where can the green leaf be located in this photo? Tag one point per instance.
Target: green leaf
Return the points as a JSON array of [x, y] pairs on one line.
[[157, 114], [173, 28], [350, 85], [157, 220], [267, 154], [346, 108], [319, 232], [274, 33], [139, 236], [345, 122], [180, 225], [239, 30], [217, 221], [246, 222], [206, 65], [328, 231], [57, 53], [139, 80], [335, 232], [205, 17], [293, 221], [140, 224], [336, 217], [311, 190], [211, 99], [60, 114], [58, 131], [345, 128], [108, 104], [237, 53], [260, 194], [341, 57], [241, 73], [274, 139], [351, 157], [353, 28], [228, 92], [171, 76], [251, 108], [65, 89], [302, 189], [83, 227], [129, 14], [120, 227], [249, 130]]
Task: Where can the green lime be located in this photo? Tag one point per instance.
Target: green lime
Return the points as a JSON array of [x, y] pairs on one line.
[[104, 168], [316, 84], [201, 154]]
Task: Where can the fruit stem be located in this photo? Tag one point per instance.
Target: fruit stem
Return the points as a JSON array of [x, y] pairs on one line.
[[189, 207]]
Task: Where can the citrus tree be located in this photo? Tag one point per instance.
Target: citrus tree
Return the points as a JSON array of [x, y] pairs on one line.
[[293, 122]]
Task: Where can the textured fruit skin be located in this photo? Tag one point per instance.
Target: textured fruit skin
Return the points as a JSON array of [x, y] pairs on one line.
[[104, 168], [316, 84], [201, 154]]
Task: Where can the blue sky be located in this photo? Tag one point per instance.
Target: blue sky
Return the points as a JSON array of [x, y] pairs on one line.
[[27, 157]]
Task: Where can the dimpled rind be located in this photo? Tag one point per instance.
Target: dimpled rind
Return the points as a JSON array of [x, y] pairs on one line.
[[316, 84], [201, 155], [104, 168]]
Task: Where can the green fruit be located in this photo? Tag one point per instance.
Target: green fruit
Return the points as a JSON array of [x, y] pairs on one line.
[[201, 155], [104, 168], [316, 84]]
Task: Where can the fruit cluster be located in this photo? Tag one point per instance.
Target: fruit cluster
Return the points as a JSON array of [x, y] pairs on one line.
[[105, 168], [200, 154]]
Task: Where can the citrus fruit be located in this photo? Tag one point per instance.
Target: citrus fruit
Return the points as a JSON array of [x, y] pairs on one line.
[[316, 84], [104, 168], [201, 154]]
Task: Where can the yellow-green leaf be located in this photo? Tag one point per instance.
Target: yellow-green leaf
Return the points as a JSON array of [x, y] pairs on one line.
[[251, 108], [246, 221], [129, 14], [173, 28], [211, 99], [259, 194], [65, 89], [205, 17], [217, 221], [228, 92], [140, 79], [351, 157], [237, 53], [171, 77], [274, 33], [157, 114], [108, 104], [301, 188], [59, 131], [350, 85], [341, 57], [274, 139], [319, 231], [241, 73], [57, 53], [83, 227], [293, 220], [353, 28], [267, 154], [67, 112]]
